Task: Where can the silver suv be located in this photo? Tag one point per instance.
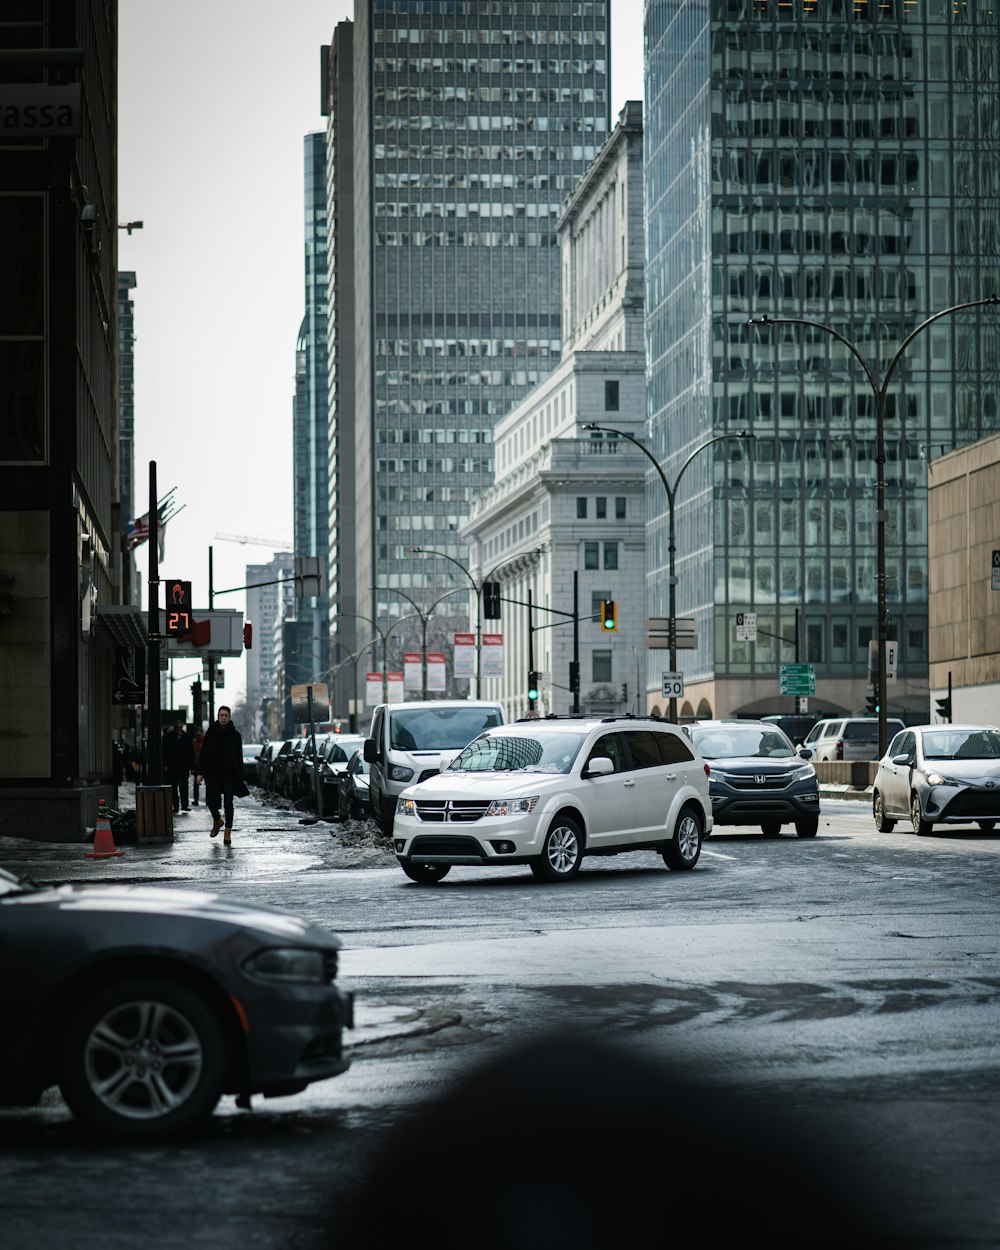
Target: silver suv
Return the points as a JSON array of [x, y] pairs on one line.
[[847, 738], [547, 793]]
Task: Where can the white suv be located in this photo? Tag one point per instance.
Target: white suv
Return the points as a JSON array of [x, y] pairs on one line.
[[547, 792]]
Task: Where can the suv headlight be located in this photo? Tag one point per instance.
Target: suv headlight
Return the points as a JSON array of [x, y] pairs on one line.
[[511, 807], [802, 774], [937, 779], [405, 807], [286, 965], [397, 772]]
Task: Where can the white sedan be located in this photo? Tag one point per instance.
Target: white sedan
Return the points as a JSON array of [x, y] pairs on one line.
[[939, 775]]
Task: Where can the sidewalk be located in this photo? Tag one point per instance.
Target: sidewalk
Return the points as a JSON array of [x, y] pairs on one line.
[[269, 842]]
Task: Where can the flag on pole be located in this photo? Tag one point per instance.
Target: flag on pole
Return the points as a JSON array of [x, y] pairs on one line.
[[138, 530]]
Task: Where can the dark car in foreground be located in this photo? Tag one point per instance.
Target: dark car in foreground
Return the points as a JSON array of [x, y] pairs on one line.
[[939, 775], [251, 754], [757, 777], [146, 1005]]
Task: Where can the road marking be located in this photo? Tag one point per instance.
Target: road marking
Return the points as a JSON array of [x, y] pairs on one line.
[[717, 854]]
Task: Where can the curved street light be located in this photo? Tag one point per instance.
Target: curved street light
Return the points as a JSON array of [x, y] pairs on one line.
[[879, 390], [383, 637], [478, 588], [671, 502], [424, 619]]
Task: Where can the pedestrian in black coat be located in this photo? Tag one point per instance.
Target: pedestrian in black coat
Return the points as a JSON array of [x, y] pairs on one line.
[[221, 765], [178, 763]]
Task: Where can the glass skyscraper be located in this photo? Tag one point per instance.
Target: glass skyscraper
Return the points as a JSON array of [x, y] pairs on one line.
[[833, 161], [473, 121]]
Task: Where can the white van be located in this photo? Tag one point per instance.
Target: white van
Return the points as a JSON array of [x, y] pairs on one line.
[[409, 742]]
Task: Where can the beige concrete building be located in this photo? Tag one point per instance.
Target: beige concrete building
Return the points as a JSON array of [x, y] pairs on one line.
[[963, 495]]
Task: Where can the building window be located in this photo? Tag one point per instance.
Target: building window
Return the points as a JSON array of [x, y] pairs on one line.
[[581, 506], [591, 553], [610, 555], [620, 507], [611, 396], [600, 507], [600, 666]]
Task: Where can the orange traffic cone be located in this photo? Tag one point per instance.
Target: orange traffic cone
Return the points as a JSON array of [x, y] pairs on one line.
[[104, 839]]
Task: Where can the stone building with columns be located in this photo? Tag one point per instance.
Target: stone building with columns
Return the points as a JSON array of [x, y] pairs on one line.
[[564, 521]]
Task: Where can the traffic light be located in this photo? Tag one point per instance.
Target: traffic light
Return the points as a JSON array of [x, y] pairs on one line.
[[197, 709], [574, 676], [532, 687], [491, 601], [624, 692], [178, 614], [872, 702], [609, 617], [944, 708]]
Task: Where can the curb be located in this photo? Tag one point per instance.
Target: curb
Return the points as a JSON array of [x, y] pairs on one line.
[[833, 791]]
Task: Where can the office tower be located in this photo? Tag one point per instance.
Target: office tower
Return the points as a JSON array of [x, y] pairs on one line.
[[126, 428], [835, 163], [268, 595], [58, 414], [310, 432], [472, 123], [337, 96]]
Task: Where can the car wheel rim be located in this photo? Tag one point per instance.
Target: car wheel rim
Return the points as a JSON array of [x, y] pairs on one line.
[[915, 814], [563, 849], [687, 837], [143, 1060], [879, 813]]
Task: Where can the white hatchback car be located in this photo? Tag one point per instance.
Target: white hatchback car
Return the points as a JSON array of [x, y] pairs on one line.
[[548, 792]]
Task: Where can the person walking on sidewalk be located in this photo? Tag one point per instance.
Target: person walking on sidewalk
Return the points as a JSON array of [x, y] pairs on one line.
[[196, 741], [178, 761], [221, 766]]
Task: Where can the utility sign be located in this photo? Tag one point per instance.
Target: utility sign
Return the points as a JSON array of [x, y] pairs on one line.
[[996, 570], [891, 653], [673, 686], [746, 626], [797, 679]]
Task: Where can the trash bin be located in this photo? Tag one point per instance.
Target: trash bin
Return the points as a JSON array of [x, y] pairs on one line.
[[154, 814]]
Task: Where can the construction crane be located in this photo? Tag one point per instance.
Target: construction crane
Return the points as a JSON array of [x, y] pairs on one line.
[[274, 543]]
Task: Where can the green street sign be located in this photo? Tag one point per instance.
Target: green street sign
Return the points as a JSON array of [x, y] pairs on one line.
[[798, 679]]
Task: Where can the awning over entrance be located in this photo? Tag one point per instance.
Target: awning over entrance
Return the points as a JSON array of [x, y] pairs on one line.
[[119, 625]]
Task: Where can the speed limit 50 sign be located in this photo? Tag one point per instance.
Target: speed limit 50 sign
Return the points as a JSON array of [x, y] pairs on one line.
[[673, 686]]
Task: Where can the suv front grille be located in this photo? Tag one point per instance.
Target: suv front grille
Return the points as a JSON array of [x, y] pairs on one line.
[[757, 781], [451, 811]]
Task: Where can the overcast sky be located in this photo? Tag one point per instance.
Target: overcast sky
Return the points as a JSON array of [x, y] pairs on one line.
[[214, 99]]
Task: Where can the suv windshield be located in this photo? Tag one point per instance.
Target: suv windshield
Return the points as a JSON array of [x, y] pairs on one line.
[[439, 729], [516, 753], [977, 744], [721, 742]]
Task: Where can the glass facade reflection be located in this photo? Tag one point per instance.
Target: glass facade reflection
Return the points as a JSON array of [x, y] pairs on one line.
[[835, 162], [474, 121]]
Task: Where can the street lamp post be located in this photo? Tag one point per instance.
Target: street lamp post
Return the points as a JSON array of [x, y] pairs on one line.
[[478, 588], [383, 638], [879, 390], [424, 619], [671, 502]]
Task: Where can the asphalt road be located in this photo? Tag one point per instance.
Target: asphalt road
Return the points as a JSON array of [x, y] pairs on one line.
[[847, 988]]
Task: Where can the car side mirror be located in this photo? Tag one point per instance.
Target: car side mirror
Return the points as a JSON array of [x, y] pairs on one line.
[[901, 759], [806, 753], [599, 766], [370, 751]]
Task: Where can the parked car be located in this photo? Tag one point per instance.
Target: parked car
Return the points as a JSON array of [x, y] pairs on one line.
[[301, 778], [548, 792], [939, 775], [353, 797], [291, 778], [409, 742], [145, 1005], [335, 760], [279, 763], [267, 751], [847, 738], [757, 777], [251, 751]]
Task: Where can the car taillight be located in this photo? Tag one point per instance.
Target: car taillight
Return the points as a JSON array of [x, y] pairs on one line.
[[840, 749]]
